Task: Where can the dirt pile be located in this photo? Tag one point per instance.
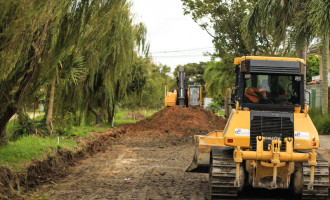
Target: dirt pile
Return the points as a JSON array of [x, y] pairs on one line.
[[178, 121]]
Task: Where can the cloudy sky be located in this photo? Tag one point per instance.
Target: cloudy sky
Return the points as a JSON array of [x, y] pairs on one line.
[[174, 38]]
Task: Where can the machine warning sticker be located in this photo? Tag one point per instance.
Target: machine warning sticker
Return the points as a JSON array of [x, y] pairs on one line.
[[242, 132], [301, 135]]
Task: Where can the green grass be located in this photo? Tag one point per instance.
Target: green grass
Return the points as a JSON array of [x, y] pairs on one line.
[[16, 154], [321, 122], [220, 113], [119, 122], [81, 131], [120, 116]]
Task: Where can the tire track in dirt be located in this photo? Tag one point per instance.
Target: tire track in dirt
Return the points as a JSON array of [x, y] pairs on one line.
[[141, 167], [136, 167]]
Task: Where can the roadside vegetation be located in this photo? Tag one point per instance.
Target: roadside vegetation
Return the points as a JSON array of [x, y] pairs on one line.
[[21, 150], [321, 122], [80, 59], [17, 154]]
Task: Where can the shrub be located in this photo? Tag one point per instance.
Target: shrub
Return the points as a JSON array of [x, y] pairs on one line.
[[321, 122]]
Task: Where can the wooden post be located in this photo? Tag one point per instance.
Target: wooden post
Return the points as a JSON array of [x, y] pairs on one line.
[[227, 101]]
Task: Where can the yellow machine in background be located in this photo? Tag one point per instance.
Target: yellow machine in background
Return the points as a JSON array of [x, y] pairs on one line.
[[183, 96], [170, 97], [269, 140]]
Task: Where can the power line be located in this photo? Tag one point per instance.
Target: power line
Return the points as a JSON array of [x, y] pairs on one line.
[[175, 51], [169, 56]]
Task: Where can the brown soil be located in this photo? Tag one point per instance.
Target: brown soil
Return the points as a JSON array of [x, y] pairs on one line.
[[134, 167], [178, 121], [142, 167]]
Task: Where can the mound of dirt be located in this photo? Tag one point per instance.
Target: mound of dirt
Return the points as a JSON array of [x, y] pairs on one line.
[[178, 121]]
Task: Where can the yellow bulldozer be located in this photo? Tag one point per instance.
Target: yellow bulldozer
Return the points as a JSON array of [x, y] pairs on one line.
[[269, 140], [183, 96]]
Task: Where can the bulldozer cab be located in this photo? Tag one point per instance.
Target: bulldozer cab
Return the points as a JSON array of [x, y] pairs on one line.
[[195, 95], [269, 85], [271, 89]]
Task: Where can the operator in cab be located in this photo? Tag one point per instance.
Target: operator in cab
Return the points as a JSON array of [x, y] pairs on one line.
[[267, 89]]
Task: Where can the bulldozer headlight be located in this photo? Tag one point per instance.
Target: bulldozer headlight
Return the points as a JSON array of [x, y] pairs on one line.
[[297, 78]]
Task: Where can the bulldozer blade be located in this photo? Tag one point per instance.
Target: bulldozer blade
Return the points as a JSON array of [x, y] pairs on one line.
[[203, 144], [197, 166]]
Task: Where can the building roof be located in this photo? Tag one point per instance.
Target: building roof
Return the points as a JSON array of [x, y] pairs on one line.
[[317, 81]]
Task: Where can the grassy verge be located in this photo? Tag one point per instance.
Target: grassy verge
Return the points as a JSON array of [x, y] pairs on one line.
[[321, 122], [16, 154], [121, 114], [81, 131]]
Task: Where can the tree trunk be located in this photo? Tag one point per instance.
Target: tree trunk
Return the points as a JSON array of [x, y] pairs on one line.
[[3, 134], [228, 95], [98, 116], [4, 119], [49, 119], [103, 108], [111, 112], [303, 54], [325, 61], [22, 116]]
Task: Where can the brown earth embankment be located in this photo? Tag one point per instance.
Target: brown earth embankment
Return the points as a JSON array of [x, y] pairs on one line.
[[13, 184]]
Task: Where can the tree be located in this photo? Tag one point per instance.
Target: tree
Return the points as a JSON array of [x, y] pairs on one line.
[[84, 47], [313, 66], [223, 21], [194, 72], [319, 11], [148, 82], [107, 46], [25, 32], [65, 41], [218, 77], [302, 21]]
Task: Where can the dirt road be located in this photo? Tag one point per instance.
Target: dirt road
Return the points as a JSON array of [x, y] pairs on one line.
[[136, 167], [148, 161], [141, 166]]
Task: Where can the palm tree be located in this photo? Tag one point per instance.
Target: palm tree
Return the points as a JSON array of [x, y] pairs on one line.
[[218, 76], [296, 21], [320, 18]]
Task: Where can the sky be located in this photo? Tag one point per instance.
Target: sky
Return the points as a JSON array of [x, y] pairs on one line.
[[175, 39]]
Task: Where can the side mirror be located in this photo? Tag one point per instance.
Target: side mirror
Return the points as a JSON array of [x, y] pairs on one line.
[[307, 97]]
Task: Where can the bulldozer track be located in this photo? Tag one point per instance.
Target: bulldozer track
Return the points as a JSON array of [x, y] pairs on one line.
[[321, 180], [222, 174]]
